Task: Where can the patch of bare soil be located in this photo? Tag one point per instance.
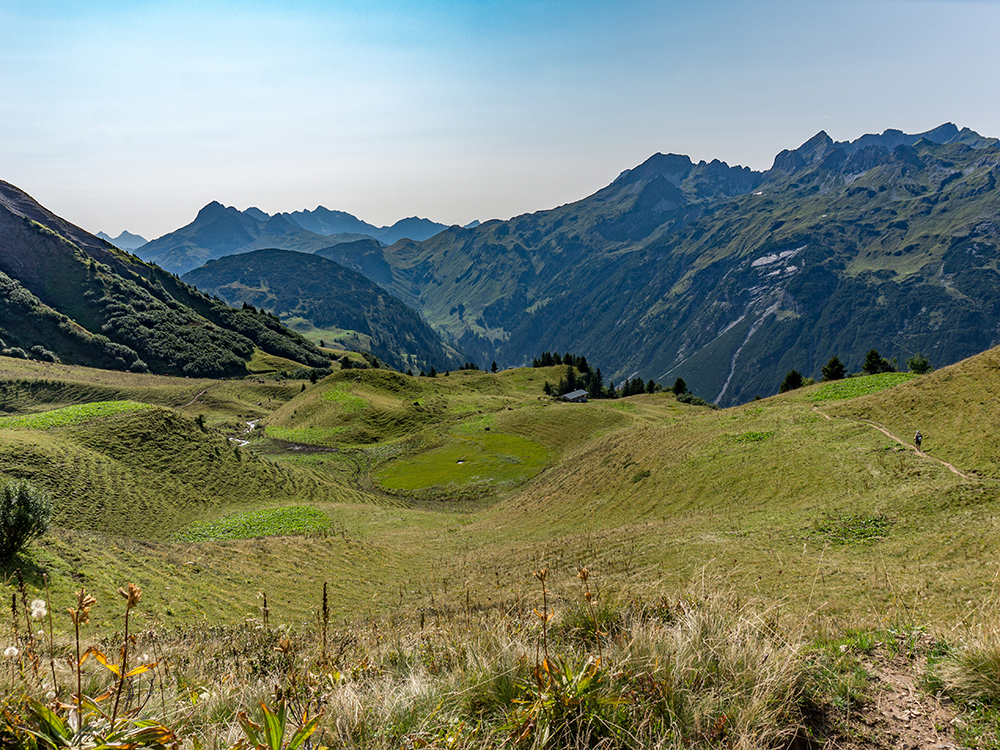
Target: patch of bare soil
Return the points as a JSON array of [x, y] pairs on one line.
[[898, 714]]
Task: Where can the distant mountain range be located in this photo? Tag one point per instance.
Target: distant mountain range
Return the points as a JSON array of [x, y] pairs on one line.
[[68, 295], [220, 230], [721, 275], [125, 240], [319, 297], [728, 277]]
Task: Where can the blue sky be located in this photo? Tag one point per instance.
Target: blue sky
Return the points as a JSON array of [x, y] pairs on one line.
[[133, 115]]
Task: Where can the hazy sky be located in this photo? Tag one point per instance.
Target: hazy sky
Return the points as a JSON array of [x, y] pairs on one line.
[[134, 114]]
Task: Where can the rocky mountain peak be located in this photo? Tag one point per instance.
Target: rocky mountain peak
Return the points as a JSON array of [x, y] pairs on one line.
[[213, 210], [673, 167]]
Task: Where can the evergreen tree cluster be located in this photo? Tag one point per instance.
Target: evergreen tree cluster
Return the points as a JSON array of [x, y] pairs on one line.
[[636, 386], [551, 359], [874, 364], [580, 376]]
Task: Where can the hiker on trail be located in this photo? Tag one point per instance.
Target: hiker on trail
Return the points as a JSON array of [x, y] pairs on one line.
[[917, 438]]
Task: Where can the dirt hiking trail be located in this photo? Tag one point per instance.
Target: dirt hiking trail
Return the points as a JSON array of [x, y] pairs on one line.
[[898, 715], [884, 431]]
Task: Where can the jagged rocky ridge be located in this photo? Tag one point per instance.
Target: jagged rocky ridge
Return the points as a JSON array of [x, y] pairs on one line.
[[728, 277], [218, 231]]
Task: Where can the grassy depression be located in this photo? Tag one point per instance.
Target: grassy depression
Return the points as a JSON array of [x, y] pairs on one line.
[[492, 460], [71, 415], [289, 521]]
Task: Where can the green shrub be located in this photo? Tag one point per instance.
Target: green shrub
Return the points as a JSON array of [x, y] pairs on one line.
[[690, 398], [24, 514], [41, 353], [919, 364]]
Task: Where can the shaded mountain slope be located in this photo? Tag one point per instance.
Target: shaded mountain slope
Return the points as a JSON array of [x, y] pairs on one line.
[[78, 298], [727, 277], [478, 284], [330, 298]]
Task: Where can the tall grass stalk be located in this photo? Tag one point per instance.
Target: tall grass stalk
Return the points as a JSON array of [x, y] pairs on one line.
[[584, 575], [16, 639], [544, 615], [29, 651], [80, 616], [325, 614], [132, 597], [52, 644]]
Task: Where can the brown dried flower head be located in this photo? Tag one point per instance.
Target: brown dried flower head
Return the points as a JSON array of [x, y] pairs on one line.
[[131, 596], [84, 601]]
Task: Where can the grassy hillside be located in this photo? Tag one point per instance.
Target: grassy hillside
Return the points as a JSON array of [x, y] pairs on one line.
[[955, 408], [789, 546], [475, 477], [144, 472]]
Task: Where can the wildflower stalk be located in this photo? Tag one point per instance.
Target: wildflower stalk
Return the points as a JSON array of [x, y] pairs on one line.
[[584, 575], [80, 616], [544, 616], [326, 620], [52, 646], [17, 641], [132, 596]]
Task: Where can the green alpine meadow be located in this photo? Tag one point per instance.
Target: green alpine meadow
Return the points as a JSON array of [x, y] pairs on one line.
[[357, 498]]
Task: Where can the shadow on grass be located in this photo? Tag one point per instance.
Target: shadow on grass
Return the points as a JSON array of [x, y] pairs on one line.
[[30, 570]]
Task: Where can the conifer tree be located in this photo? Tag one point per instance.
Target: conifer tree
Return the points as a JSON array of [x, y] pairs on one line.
[[876, 363], [834, 369], [792, 381], [919, 364], [595, 388]]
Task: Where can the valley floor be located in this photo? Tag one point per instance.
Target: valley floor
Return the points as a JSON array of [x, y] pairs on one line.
[[405, 513]]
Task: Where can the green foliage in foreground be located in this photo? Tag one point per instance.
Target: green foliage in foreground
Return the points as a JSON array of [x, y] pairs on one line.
[[25, 512], [860, 386], [690, 669], [684, 671], [287, 521], [70, 415]]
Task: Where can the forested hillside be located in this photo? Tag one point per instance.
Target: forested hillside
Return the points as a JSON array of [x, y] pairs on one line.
[[328, 302], [67, 295]]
